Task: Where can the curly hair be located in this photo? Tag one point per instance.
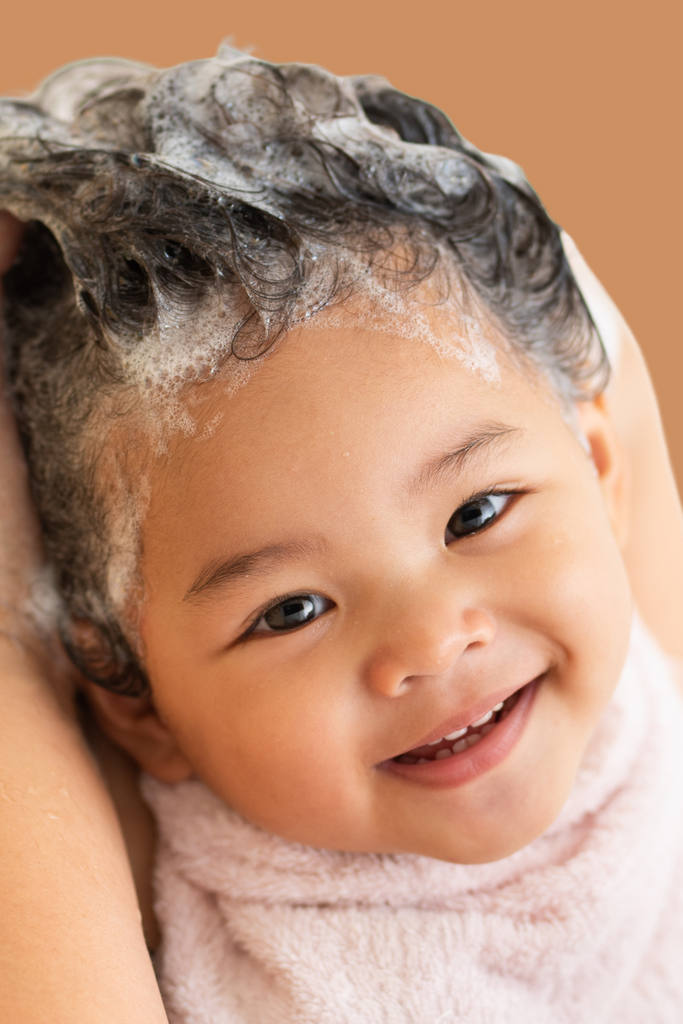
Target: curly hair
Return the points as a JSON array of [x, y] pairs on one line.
[[255, 188]]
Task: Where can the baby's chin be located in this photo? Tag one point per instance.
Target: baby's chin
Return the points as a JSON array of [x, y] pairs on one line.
[[507, 818], [488, 848], [486, 845], [480, 846]]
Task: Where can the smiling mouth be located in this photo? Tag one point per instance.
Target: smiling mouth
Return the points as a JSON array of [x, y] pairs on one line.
[[462, 739]]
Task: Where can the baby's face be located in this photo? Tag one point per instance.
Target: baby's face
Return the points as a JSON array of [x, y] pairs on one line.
[[374, 551]]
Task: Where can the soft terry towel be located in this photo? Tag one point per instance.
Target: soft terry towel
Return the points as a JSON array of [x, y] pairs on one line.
[[584, 925]]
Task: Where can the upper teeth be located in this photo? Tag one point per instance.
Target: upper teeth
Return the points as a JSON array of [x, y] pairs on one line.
[[475, 725], [457, 734]]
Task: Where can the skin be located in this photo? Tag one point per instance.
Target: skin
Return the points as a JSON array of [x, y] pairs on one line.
[[419, 632]]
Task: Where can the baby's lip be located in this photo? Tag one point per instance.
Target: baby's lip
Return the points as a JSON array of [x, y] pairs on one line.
[[464, 718]]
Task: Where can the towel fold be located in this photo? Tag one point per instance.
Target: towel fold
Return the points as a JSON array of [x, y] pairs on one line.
[[583, 926]]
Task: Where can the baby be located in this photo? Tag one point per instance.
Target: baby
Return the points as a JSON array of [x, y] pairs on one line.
[[335, 508]]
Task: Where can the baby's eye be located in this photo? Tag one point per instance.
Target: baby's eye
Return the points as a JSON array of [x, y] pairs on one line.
[[291, 613], [476, 514]]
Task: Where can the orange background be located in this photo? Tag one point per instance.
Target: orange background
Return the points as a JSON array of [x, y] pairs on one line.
[[583, 94]]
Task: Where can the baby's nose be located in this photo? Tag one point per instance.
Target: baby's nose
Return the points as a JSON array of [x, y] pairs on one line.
[[425, 642]]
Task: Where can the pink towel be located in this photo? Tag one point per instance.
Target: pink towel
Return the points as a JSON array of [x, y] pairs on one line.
[[584, 925]]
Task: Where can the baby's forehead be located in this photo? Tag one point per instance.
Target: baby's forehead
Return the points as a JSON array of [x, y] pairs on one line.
[[343, 373], [375, 325], [400, 348], [346, 375]]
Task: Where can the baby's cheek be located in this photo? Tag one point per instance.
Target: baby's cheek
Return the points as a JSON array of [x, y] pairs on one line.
[[578, 559], [273, 749], [589, 611]]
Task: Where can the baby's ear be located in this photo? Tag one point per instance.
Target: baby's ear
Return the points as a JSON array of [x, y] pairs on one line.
[[609, 458], [134, 725]]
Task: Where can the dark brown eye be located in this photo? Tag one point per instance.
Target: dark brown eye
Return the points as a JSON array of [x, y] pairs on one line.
[[476, 514], [293, 612]]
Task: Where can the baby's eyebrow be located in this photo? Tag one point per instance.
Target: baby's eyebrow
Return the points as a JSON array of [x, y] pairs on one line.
[[220, 574], [475, 445]]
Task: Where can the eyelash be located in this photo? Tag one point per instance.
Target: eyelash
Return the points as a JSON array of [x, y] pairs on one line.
[[478, 496]]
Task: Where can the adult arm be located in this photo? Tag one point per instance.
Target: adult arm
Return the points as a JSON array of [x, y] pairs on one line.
[[71, 943], [654, 548]]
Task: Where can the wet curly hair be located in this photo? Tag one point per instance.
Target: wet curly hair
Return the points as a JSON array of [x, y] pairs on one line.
[[233, 180]]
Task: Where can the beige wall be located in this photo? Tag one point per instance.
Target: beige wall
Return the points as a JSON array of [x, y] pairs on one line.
[[584, 95]]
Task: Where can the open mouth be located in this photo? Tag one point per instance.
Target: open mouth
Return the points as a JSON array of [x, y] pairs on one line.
[[462, 739]]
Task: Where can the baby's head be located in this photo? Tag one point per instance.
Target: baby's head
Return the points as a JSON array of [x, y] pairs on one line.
[[311, 407]]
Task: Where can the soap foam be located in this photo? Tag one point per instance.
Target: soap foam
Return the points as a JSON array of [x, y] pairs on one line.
[[437, 312]]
